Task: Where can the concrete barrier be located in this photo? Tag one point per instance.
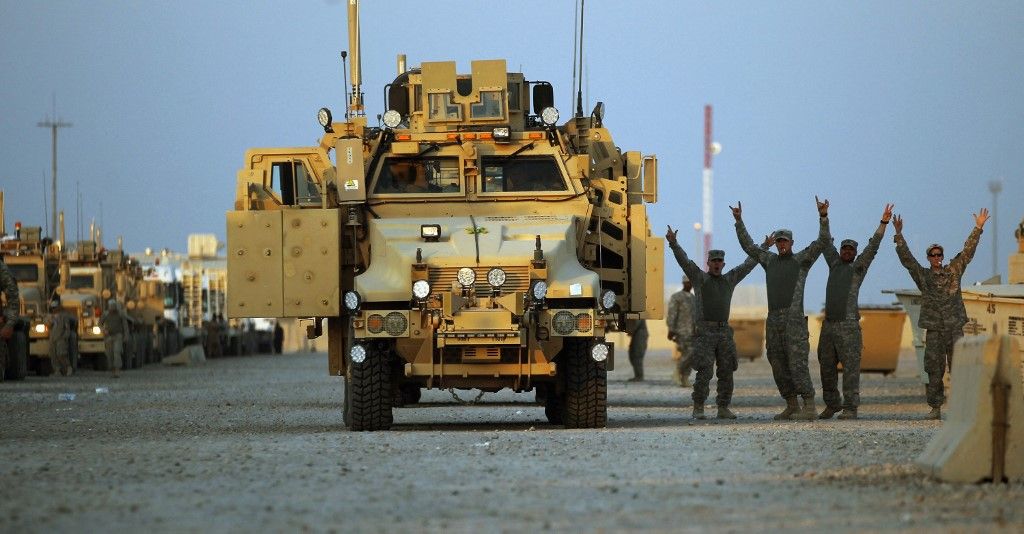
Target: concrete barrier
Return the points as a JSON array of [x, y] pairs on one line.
[[189, 355], [983, 435]]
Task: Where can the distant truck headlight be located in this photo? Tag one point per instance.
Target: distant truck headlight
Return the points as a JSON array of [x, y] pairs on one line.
[[608, 300], [40, 328], [496, 277], [599, 352], [97, 330], [357, 354], [392, 118], [352, 300], [466, 277], [549, 116], [420, 289]]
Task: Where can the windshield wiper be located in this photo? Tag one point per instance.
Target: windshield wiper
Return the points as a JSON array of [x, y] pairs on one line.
[[520, 150]]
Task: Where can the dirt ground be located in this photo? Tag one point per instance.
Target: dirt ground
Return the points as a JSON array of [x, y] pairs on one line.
[[257, 443]]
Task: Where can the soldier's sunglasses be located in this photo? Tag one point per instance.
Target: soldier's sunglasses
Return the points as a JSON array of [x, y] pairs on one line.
[[935, 255]]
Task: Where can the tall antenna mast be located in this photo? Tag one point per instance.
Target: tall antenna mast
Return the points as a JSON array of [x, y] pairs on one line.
[[355, 106], [579, 86], [709, 151], [54, 125]]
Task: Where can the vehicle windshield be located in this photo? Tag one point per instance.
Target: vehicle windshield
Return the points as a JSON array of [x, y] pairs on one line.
[[81, 281], [418, 176], [25, 272], [513, 175]]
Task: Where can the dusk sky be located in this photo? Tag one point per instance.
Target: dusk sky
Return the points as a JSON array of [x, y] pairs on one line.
[[913, 102]]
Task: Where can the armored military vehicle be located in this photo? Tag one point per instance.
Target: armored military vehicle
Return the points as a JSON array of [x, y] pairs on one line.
[[468, 241]]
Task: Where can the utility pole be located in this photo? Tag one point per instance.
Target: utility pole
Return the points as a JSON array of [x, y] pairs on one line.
[[996, 187], [53, 125]]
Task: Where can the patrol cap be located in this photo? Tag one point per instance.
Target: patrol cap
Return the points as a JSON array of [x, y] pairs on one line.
[[848, 243], [784, 233], [715, 254], [934, 246], [111, 303]]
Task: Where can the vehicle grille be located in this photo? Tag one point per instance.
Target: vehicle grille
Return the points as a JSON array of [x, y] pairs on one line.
[[517, 278]]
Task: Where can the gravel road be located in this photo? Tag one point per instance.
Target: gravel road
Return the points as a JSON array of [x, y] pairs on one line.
[[257, 444]]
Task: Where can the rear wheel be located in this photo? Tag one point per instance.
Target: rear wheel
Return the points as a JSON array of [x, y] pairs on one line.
[[586, 387], [17, 356], [368, 388]]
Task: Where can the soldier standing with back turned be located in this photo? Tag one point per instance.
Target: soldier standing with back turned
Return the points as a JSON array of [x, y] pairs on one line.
[[60, 339], [840, 340], [943, 315], [786, 327], [9, 314], [114, 326], [679, 320]]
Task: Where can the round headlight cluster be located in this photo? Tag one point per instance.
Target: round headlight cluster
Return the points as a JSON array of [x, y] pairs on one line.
[[599, 352], [466, 277], [352, 300], [96, 330], [357, 354], [420, 289], [584, 322], [392, 118], [375, 323], [395, 324], [539, 290], [549, 116], [324, 117], [496, 277], [40, 328], [608, 299], [564, 323]]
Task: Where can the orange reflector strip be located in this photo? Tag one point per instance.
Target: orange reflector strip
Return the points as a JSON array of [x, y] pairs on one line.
[[403, 137], [486, 136], [469, 136], [453, 136], [536, 135]]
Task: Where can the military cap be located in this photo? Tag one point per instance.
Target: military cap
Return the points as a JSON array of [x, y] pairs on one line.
[[784, 233], [848, 243], [933, 246], [715, 254]]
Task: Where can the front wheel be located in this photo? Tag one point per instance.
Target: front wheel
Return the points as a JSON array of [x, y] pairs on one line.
[[586, 387], [368, 391]]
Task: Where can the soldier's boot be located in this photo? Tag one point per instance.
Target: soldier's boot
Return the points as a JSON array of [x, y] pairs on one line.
[[792, 407], [698, 411], [828, 412], [725, 413], [848, 413], [685, 382], [936, 413], [677, 378], [117, 373], [807, 413]]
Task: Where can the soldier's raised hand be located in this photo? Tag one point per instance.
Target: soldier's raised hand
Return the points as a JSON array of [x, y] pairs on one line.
[[981, 217], [822, 206], [897, 223], [769, 240], [670, 235], [887, 214], [737, 212]]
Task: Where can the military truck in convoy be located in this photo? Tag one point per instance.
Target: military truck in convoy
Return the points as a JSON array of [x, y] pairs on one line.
[[470, 241]]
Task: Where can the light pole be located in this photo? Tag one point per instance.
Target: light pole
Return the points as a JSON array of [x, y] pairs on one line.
[[697, 235], [995, 186], [53, 125]]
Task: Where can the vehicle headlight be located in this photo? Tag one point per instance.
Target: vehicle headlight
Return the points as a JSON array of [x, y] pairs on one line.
[[608, 300], [97, 330], [324, 117], [352, 300], [40, 328], [357, 354], [430, 231], [392, 118], [599, 352], [564, 323], [549, 116], [420, 289], [395, 323], [584, 322], [375, 323], [496, 277], [502, 133], [466, 276], [539, 290]]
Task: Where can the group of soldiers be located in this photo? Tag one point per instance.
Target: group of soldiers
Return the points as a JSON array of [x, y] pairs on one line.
[[698, 323]]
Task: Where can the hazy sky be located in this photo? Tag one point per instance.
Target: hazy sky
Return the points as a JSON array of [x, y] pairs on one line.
[[917, 103]]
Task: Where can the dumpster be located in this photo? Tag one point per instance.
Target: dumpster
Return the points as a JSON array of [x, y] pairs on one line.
[[881, 332], [749, 336], [997, 309]]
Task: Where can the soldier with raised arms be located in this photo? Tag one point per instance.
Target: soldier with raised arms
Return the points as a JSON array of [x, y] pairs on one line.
[[786, 327], [713, 344], [943, 315], [840, 340]]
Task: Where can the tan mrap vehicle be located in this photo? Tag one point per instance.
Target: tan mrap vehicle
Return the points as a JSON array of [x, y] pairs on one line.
[[469, 242]]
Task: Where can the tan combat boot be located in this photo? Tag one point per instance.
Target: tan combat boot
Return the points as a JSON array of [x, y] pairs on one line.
[[828, 412], [725, 413], [936, 413], [698, 411], [807, 413], [792, 407], [848, 413]]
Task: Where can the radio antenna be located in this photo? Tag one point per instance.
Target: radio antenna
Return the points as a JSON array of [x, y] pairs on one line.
[[575, 40], [344, 73], [579, 83]]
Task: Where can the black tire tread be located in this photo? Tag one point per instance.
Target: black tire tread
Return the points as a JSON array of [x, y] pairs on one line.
[[371, 397], [586, 387]]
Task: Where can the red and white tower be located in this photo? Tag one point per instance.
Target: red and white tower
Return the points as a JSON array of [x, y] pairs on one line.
[[710, 149]]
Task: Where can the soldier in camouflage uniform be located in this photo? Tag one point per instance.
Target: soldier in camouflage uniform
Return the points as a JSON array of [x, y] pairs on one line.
[[60, 339], [713, 345], [786, 327], [681, 330], [9, 313], [840, 340], [943, 315], [637, 330], [115, 325]]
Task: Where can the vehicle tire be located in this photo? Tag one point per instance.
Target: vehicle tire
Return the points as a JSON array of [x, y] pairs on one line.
[[44, 367], [346, 408], [17, 356], [370, 400], [586, 387]]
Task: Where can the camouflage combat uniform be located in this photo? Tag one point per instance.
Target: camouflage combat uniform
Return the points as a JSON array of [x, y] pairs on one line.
[[60, 338], [840, 340], [943, 315], [114, 327], [637, 330], [9, 288], [681, 327], [786, 327], [713, 344]]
